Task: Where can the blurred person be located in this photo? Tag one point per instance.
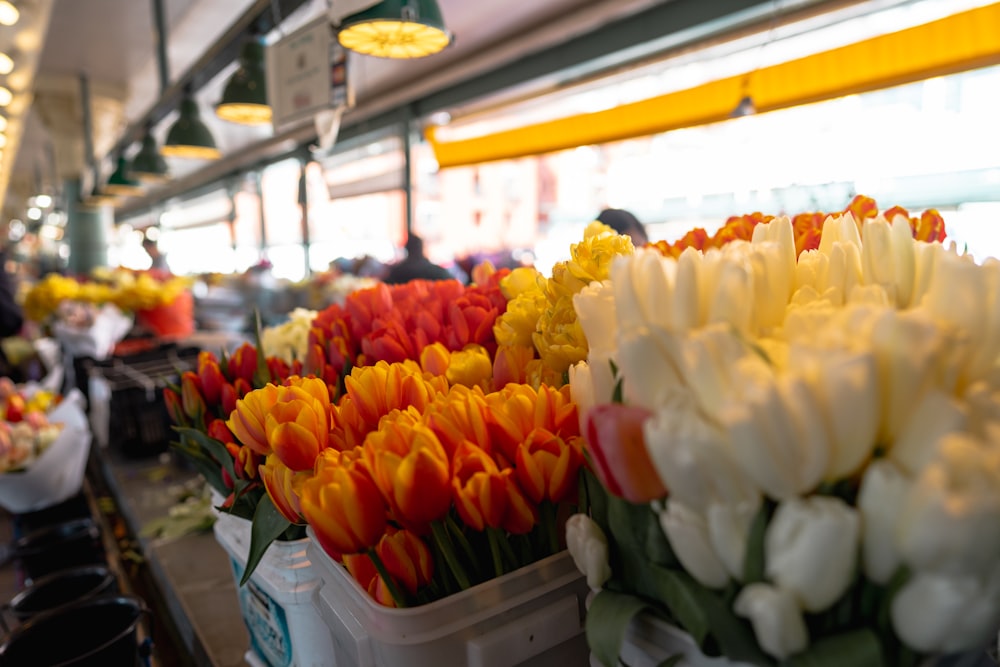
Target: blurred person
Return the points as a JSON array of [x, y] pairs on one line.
[[152, 249], [625, 223], [11, 314], [415, 265]]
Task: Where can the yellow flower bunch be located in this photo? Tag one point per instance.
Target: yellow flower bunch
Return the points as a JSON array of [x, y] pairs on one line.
[[45, 296], [143, 292], [125, 289]]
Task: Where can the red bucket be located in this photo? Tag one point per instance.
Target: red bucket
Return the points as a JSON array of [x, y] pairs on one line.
[[174, 320]]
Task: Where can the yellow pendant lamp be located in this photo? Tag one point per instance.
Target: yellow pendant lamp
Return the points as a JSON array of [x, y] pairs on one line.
[[396, 29]]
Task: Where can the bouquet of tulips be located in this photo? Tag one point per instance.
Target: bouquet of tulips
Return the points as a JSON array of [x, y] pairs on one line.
[[799, 450]]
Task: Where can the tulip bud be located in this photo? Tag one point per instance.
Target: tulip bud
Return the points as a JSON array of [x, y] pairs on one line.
[[810, 549], [227, 398], [880, 501], [407, 558], [247, 422], [776, 619], [687, 532], [175, 408], [191, 398], [344, 507], [547, 467], [588, 547], [211, 377], [619, 454]]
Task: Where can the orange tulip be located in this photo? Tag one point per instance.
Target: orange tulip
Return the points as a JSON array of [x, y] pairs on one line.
[[363, 570], [547, 467], [434, 359], [344, 507], [247, 420], [459, 416], [521, 514], [218, 430], [212, 379], [478, 487], [377, 390], [191, 398], [411, 469], [511, 364], [175, 408], [227, 399], [243, 363], [516, 410], [298, 424], [284, 486], [407, 558]]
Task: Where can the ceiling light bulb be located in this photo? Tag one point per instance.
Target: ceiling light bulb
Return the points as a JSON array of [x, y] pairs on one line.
[[6, 63], [3, 123], [8, 13], [34, 213], [5, 96], [3, 140]]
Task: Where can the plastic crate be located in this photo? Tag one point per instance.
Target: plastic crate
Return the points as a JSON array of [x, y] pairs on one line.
[[137, 421]]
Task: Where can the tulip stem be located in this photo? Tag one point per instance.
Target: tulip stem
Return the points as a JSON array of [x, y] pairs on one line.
[[394, 591], [491, 535], [504, 541], [548, 511], [463, 542], [441, 538]]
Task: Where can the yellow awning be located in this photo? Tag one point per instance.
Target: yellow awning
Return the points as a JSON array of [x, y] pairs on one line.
[[961, 42]]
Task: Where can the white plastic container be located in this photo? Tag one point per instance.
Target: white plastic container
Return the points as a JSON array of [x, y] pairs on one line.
[[277, 602], [533, 616]]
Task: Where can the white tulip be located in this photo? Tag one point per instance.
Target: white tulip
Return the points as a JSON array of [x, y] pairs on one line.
[[588, 546], [813, 270], [877, 259], [810, 549], [773, 436], [880, 500], [647, 359], [581, 387], [729, 529], [732, 302], [688, 311], [595, 310], [776, 619], [904, 261], [947, 614], [839, 229], [643, 285], [691, 458], [950, 522], [687, 532], [772, 284], [845, 270], [926, 257], [933, 417]]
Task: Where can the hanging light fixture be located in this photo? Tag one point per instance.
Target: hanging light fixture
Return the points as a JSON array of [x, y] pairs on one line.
[[396, 29], [120, 182], [188, 137], [8, 13], [244, 100], [148, 165]]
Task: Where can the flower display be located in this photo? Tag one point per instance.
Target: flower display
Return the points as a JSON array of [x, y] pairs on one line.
[[820, 424], [290, 340], [25, 430], [128, 290]]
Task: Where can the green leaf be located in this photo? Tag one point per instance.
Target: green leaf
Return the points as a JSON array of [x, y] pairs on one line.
[[268, 524], [672, 660], [263, 374], [206, 466], [753, 563], [860, 648], [210, 446], [607, 620], [597, 496]]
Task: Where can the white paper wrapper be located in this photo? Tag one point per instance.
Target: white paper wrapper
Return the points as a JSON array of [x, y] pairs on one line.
[[57, 474], [97, 341]]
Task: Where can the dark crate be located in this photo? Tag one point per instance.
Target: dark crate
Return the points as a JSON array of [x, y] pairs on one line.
[[139, 424]]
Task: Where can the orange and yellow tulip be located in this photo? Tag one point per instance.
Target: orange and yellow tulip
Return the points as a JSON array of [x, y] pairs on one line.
[[284, 486], [547, 467], [211, 377], [407, 558], [344, 507], [191, 399], [521, 515], [298, 423], [478, 488], [247, 422]]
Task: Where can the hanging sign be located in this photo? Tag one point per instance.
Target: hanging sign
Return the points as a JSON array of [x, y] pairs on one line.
[[307, 75]]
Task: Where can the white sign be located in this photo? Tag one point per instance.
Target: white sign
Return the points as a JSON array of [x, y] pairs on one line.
[[307, 74]]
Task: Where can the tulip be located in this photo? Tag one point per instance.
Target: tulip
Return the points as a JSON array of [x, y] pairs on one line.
[[361, 567], [470, 366], [950, 520], [227, 399], [588, 547], [247, 422], [933, 417], [547, 467], [411, 469], [619, 454], [298, 424], [478, 488], [191, 397], [947, 613], [434, 359], [595, 309], [810, 549], [284, 486], [407, 558], [344, 508], [211, 377], [687, 532], [729, 531], [243, 363], [522, 514], [776, 619], [511, 363], [880, 501], [689, 456], [218, 430], [175, 408]]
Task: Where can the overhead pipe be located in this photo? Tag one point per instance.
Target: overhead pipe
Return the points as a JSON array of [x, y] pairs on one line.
[[88, 130], [162, 61]]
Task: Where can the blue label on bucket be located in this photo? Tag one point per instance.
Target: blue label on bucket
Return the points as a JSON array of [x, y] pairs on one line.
[[265, 619]]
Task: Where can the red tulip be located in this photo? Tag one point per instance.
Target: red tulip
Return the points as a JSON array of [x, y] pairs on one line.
[[617, 449], [211, 377], [191, 397], [175, 408]]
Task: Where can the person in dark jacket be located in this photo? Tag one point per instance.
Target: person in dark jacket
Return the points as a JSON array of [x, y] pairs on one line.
[[415, 265], [11, 315]]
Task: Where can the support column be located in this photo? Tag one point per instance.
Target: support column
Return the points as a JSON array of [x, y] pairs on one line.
[[87, 231]]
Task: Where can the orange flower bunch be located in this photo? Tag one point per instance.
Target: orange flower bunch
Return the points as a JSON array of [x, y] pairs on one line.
[[449, 489], [808, 227], [396, 323]]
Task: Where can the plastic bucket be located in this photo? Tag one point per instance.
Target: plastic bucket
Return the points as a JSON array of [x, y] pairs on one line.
[[73, 508], [60, 547], [99, 632], [61, 588]]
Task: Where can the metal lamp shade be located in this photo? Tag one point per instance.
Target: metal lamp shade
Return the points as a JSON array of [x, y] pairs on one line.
[[244, 100], [396, 29], [188, 137], [120, 184], [148, 165]]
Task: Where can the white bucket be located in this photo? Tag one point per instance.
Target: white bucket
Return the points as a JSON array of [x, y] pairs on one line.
[[533, 616], [277, 602]]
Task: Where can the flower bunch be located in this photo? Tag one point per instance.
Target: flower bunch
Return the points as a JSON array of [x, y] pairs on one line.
[[807, 227], [129, 290], [802, 452], [332, 287], [289, 340], [419, 486], [25, 431], [539, 334]]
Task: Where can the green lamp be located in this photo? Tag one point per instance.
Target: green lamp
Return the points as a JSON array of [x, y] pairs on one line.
[[244, 100], [148, 165], [396, 29], [188, 137], [120, 183]]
